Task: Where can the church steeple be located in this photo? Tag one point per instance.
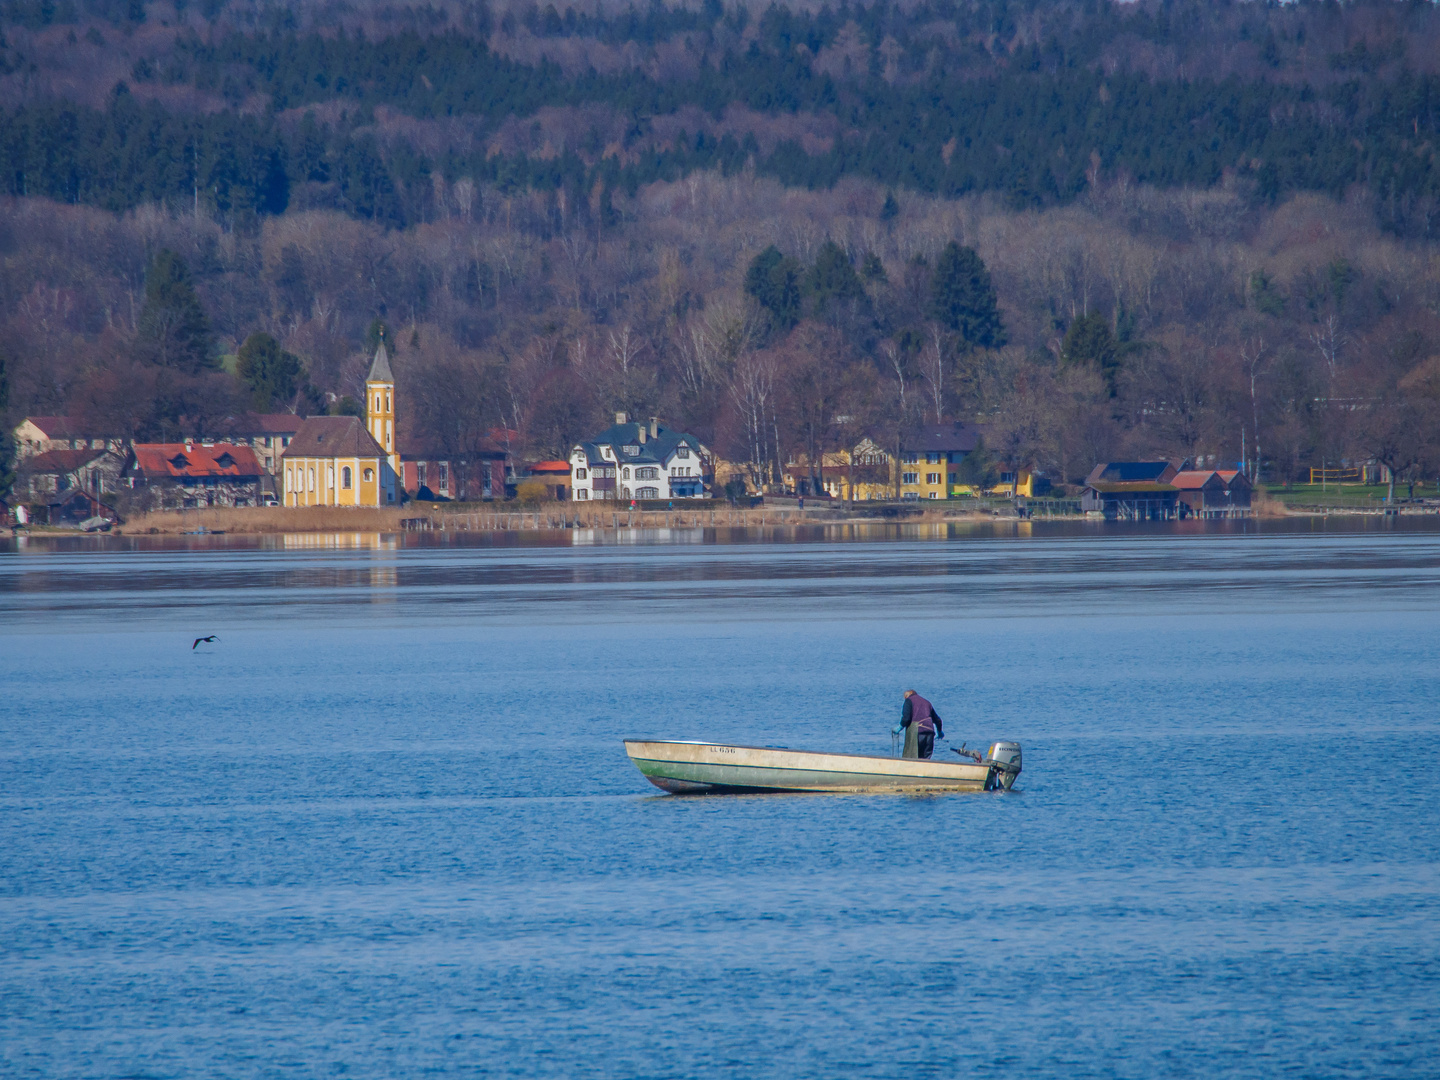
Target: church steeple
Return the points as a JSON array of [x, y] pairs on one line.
[[380, 404]]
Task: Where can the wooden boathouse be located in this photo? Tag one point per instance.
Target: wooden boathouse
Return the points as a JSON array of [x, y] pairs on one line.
[[1132, 491]]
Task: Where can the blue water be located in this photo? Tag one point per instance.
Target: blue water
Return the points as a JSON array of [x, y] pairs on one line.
[[385, 827]]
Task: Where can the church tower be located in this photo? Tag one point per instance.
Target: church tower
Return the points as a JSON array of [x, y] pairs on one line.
[[380, 405]]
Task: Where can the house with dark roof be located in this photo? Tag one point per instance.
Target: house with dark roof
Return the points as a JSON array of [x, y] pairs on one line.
[[69, 486], [928, 454], [335, 461], [183, 476], [1132, 491], [638, 461], [53, 472]]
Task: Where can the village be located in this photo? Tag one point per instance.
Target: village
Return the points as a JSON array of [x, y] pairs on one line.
[[72, 478]]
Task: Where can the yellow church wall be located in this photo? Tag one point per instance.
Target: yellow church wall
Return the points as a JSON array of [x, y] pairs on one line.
[[321, 482]]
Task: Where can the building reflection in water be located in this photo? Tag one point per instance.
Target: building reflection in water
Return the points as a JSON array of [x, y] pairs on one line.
[[384, 577]]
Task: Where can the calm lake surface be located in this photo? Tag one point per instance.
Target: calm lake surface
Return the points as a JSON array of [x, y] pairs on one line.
[[385, 826]]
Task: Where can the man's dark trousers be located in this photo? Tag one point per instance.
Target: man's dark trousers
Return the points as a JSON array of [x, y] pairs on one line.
[[926, 743]]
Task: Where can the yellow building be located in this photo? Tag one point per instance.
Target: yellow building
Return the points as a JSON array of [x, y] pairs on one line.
[[333, 461], [380, 406], [343, 460]]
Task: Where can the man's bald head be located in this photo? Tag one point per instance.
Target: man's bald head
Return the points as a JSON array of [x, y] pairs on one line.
[[909, 693]]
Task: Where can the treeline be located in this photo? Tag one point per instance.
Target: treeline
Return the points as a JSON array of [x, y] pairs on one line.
[[1036, 142], [912, 106]]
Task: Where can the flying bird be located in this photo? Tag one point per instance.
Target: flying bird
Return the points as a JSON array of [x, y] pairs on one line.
[[212, 637]]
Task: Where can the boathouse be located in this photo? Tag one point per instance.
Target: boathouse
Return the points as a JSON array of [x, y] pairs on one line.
[[1133, 491]]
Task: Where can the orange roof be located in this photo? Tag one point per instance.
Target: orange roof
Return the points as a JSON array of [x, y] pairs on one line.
[[195, 460], [1192, 478], [550, 467], [1227, 474]]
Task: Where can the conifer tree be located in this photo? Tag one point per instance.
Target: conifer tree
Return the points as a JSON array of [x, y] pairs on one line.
[[272, 374], [173, 331], [963, 298], [1090, 342], [832, 277], [773, 279]]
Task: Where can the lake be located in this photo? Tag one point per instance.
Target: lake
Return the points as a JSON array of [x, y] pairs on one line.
[[385, 825]]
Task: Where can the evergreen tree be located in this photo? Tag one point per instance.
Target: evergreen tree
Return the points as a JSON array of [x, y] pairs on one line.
[[173, 332], [832, 277], [773, 279], [273, 375], [963, 298], [1090, 342]]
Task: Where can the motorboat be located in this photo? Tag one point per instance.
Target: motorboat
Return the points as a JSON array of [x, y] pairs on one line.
[[684, 768]]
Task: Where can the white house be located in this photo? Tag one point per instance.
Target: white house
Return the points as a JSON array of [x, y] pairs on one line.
[[638, 461]]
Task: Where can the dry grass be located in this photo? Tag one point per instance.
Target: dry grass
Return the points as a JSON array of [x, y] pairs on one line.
[[492, 518], [270, 519]]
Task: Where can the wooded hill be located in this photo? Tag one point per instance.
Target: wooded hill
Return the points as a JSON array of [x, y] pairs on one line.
[[1160, 225]]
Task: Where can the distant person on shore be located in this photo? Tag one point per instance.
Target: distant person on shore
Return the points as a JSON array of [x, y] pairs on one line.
[[921, 723]]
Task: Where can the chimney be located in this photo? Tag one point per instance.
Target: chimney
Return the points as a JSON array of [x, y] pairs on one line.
[[642, 433], [621, 418], [654, 427]]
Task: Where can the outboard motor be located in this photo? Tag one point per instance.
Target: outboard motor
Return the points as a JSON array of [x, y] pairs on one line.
[[1004, 759]]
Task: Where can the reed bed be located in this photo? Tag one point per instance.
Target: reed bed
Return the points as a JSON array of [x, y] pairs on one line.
[[503, 518]]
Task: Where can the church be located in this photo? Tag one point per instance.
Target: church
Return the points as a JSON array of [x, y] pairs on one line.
[[344, 460]]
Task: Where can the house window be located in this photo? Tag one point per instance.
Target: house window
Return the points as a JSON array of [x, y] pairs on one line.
[[268, 441], [579, 474], [582, 494], [625, 474], [954, 478], [932, 458], [648, 493], [377, 403], [330, 474], [683, 452], [934, 494], [1007, 477], [909, 458], [345, 478], [932, 478], [630, 451], [909, 478], [445, 477], [420, 474], [647, 473], [312, 477], [369, 475], [387, 401]]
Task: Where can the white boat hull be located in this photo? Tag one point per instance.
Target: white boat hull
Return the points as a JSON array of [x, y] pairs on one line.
[[694, 767]]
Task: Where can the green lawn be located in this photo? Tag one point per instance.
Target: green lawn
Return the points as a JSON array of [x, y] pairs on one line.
[[1344, 494]]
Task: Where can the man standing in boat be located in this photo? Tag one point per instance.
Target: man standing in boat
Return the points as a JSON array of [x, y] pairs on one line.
[[921, 723]]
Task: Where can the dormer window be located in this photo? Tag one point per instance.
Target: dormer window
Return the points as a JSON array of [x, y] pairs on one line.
[[179, 461], [682, 452], [630, 450], [225, 461]]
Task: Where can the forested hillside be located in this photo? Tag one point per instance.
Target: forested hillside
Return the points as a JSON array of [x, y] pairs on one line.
[[1102, 228]]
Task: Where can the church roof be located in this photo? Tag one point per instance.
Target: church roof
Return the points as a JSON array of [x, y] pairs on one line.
[[333, 436], [380, 368]]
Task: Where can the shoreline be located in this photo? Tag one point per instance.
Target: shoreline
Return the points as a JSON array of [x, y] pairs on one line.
[[488, 518]]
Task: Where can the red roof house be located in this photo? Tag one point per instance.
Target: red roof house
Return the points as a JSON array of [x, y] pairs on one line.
[[185, 475]]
